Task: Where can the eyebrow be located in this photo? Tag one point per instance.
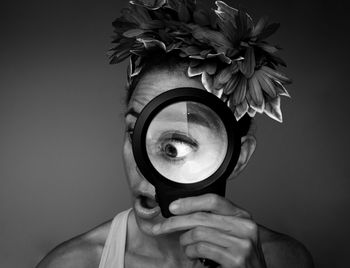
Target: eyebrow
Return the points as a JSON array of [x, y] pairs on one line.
[[192, 116], [132, 112]]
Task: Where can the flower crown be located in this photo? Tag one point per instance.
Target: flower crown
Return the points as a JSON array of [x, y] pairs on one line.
[[224, 46]]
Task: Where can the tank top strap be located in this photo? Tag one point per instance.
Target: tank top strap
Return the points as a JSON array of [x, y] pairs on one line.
[[114, 248]]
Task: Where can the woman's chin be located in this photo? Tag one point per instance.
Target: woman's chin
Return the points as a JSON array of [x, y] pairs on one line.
[[147, 214]]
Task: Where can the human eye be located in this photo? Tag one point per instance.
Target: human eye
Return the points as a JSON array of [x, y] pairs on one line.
[[130, 132], [175, 147]]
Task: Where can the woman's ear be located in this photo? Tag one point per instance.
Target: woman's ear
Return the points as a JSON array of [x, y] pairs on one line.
[[248, 144]]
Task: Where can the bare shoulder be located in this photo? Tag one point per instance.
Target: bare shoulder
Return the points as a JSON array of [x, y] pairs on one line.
[[83, 251], [281, 250]]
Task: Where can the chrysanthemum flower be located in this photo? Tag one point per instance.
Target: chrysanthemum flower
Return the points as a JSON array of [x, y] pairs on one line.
[[227, 49]]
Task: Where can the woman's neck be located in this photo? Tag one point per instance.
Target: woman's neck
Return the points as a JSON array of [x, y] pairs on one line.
[[163, 247]]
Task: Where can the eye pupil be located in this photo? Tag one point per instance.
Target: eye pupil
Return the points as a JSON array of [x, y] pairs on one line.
[[170, 150]]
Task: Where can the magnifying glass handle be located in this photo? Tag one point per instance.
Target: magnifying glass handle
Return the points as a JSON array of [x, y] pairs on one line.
[[208, 263]]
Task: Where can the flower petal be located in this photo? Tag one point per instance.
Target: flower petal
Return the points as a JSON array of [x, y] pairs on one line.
[[268, 30], [221, 57], [149, 4], [201, 17], [173, 46], [259, 26], [232, 84], [191, 50], [239, 93], [256, 96], [281, 90], [206, 66], [149, 43], [222, 77], [225, 8], [251, 112], [241, 109], [268, 48], [247, 66], [279, 76], [207, 82], [213, 38], [133, 33], [218, 92], [183, 12], [264, 81], [194, 71], [273, 109]]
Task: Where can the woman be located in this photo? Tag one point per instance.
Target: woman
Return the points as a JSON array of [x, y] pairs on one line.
[[174, 44]]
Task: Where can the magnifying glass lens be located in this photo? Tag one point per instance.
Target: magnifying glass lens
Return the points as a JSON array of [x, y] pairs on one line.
[[186, 142]]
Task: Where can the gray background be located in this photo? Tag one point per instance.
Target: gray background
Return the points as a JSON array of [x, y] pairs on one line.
[[61, 128]]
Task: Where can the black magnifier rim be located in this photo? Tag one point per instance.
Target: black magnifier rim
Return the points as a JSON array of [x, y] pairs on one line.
[[178, 95]]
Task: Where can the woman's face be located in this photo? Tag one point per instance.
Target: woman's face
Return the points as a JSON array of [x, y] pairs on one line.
[[147, 212]]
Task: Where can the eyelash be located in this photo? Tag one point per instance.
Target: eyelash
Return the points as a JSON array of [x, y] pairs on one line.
[[130, 133]]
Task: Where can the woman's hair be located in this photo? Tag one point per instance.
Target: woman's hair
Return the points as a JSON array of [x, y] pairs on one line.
[[172, 62]]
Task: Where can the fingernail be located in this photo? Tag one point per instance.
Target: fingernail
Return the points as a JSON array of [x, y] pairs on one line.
[[174, 206]]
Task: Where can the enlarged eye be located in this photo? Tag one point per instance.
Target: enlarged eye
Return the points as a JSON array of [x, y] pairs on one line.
[[176, 146], [175, 149]]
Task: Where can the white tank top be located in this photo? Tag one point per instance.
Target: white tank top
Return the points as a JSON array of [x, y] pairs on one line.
[[114, 248]]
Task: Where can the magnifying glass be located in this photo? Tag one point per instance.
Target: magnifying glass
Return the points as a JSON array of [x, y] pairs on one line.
[[186, 143]]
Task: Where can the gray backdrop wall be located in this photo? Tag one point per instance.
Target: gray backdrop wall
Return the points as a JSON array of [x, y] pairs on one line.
[[61, 128]]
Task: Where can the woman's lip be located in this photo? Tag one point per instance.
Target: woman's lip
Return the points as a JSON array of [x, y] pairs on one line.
[[145, 213]]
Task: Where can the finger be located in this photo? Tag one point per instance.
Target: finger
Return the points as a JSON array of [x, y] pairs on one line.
[[208, 202], [213, 252], [236, 226], [213, 236]]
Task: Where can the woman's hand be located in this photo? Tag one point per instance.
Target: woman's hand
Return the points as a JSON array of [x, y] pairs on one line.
[[217, 230]]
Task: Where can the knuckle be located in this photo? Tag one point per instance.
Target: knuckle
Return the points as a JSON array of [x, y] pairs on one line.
[[198, 233], [189, 251], [252, 228], [239, 261], [200, 216], [213, 200], [201, 248], [247, 245]]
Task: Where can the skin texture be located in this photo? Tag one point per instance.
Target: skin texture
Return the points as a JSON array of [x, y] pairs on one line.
[[224, 233]]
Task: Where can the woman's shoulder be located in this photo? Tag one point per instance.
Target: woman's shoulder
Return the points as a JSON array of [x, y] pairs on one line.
[[83, 251], [281, 250]]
